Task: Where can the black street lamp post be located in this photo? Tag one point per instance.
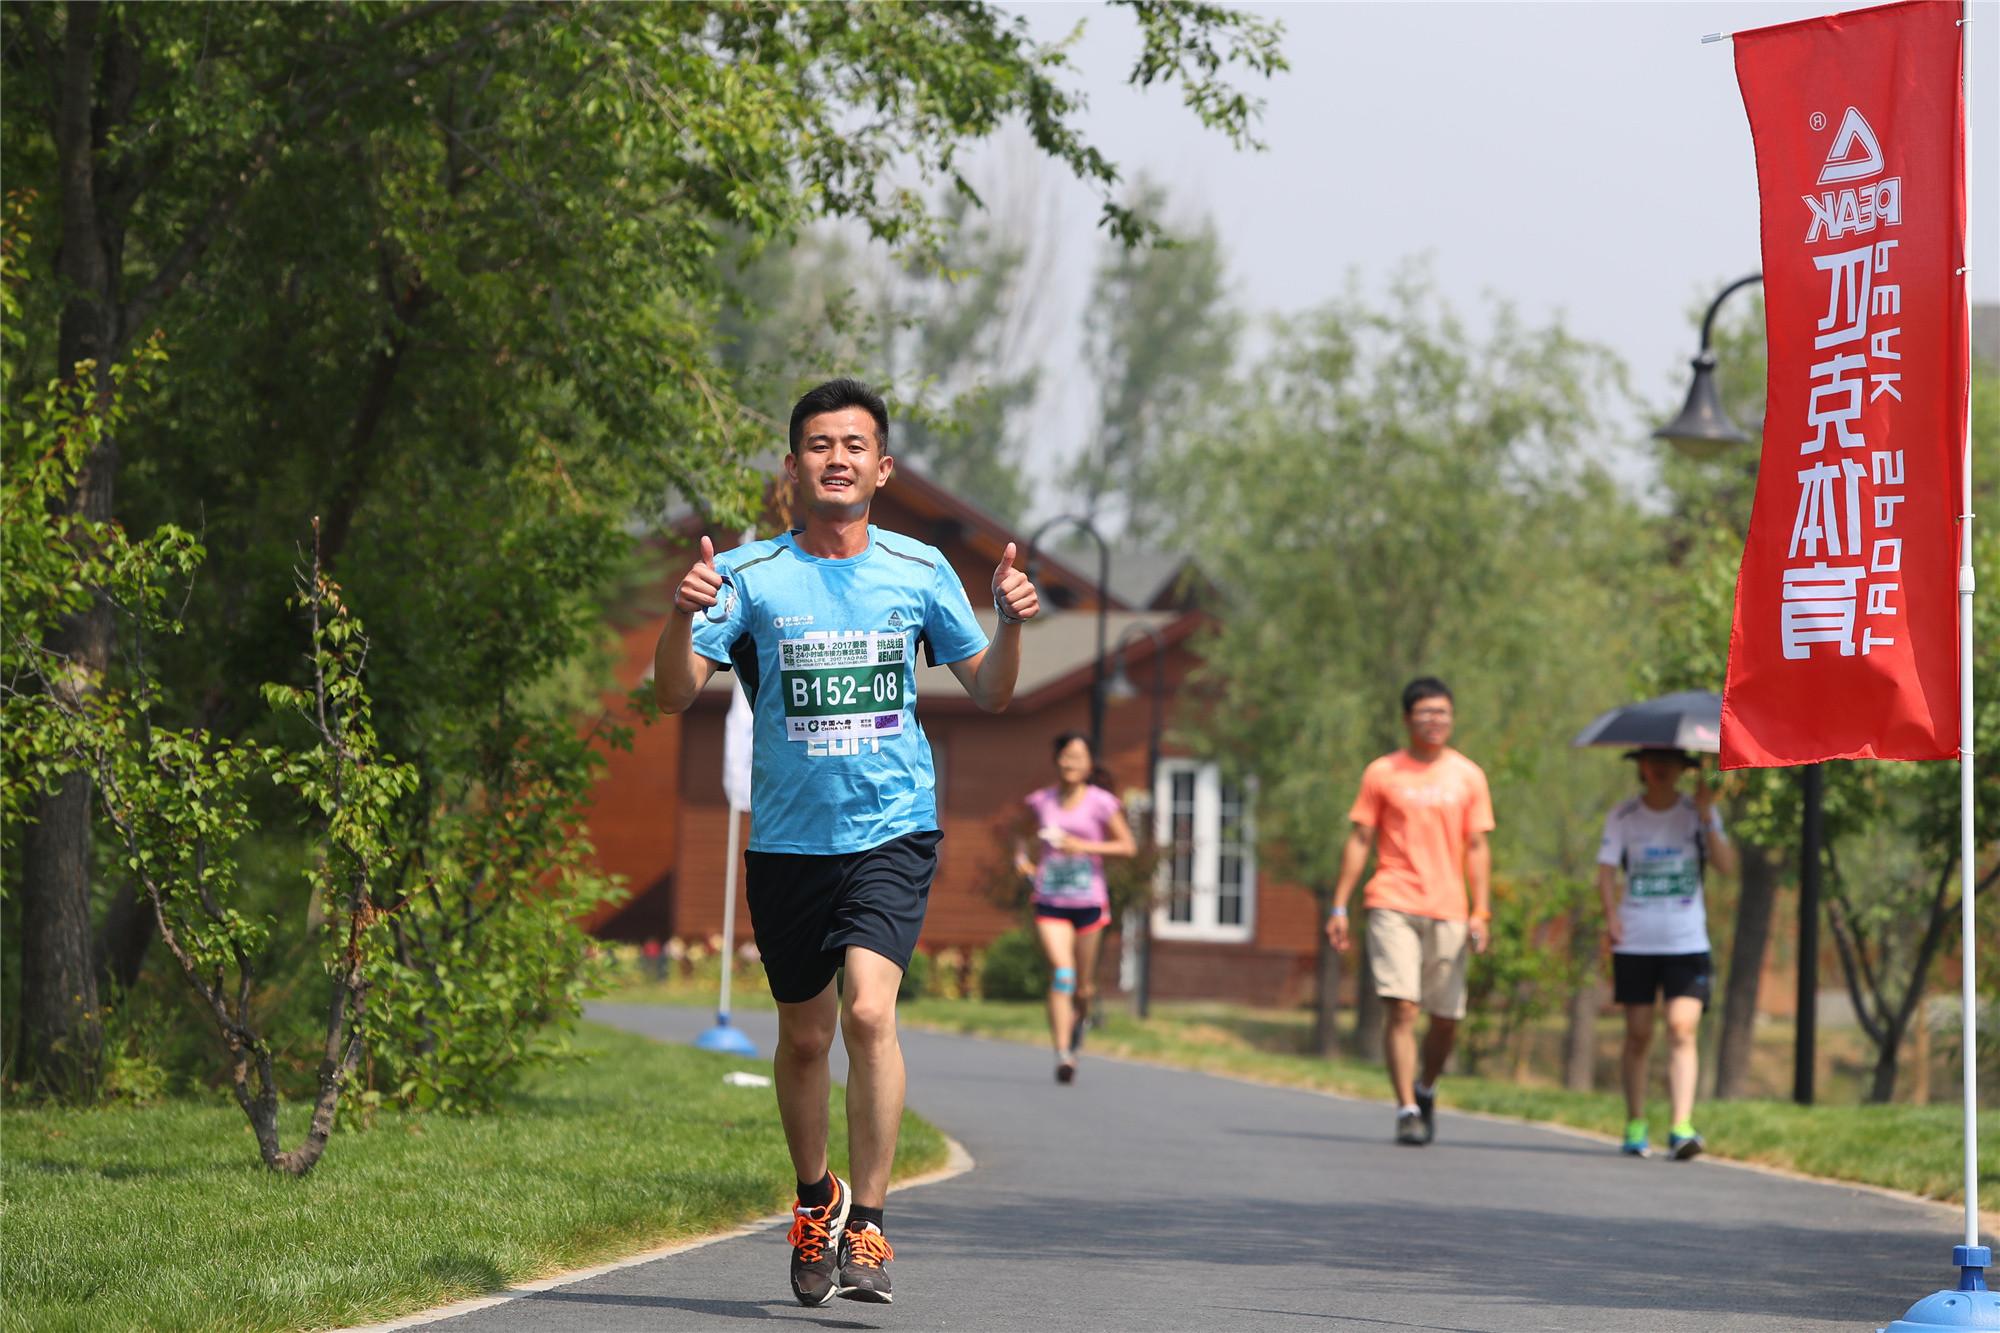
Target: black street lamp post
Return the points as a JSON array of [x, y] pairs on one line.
[[1120, 687], [1103, 608], [1703, 430]]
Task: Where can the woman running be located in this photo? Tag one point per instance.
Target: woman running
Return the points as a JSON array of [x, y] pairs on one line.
[[1077, 823]]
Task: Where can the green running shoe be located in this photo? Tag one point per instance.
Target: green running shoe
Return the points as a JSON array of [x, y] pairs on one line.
[[1635, 1144]]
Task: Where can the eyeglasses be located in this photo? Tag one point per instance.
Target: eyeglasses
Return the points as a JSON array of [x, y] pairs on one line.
[[1430, 714]]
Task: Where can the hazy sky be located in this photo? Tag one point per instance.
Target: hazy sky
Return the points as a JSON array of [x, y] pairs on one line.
[[1588, 159]]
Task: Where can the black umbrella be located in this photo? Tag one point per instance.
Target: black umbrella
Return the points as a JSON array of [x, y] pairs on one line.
[[1686, 720]]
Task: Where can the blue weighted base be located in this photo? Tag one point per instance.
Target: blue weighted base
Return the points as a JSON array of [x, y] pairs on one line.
[[732, 1041], [1970, 1306]]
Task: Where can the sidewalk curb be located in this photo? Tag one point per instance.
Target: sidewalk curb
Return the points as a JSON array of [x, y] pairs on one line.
[[956, 1163]]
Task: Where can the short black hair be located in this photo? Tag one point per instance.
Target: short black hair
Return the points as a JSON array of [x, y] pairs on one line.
[[1422, 688], [1100, 776], [1062, 743], [834, 395]]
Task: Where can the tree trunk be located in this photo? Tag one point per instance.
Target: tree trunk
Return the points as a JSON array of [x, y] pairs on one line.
[[1746, 968], [1882, 1084], [1367, 1004], [1326, 996], [61, 1029], [1586, 1002], [128, 932], [1920, 1092]]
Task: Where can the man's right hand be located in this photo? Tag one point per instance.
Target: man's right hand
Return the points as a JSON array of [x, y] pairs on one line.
[[1336, 933], [702, 585], [1614, 929]]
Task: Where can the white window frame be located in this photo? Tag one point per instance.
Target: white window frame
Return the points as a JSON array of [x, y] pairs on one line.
[[1206, 897]]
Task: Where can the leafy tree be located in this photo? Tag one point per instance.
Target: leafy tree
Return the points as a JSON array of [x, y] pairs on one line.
[[56, 560], [442, 274], [948, 335], [1160, 340], [176, 800], [1368, 505], [1890, 829], [1689, 602], [962, 338]]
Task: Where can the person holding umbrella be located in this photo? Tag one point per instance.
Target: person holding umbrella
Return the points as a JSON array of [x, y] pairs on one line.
[[1660, 843]]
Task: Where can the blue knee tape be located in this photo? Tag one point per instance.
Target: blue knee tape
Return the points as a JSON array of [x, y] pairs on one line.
[[1064, 982]]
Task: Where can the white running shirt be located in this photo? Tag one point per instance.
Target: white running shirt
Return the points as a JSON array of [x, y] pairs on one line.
[[1660, 852]]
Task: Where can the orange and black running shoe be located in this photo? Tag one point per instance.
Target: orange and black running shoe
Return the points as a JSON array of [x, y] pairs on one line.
[[864, 1264], [815, 1262]]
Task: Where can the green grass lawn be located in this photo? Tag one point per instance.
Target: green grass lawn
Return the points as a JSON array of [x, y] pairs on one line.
[[1912, 1148], [162, 1218]]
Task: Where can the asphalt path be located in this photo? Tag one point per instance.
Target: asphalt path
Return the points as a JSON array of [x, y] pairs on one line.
[[1144, 1198]]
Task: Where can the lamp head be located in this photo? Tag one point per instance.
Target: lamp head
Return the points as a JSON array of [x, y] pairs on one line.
[[1703, 429], [1119, 689]]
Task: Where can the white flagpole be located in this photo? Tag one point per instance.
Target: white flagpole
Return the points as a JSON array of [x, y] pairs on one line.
[[729, 910], [738, 738], [1967, 992]]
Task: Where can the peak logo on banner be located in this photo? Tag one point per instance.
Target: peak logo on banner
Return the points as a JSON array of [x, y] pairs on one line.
[[1846, 614], [1835, 213], [1841, 163]]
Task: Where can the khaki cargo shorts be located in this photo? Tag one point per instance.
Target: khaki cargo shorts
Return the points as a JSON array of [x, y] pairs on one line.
[[1419, 958]]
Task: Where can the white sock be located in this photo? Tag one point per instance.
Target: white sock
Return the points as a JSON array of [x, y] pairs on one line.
[[1407, 1110], [1426, 1091]]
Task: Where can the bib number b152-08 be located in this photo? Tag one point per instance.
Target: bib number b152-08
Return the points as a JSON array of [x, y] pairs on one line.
[[843, 687]]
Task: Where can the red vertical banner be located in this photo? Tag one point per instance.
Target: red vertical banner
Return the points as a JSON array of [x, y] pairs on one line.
[[1844, 642]]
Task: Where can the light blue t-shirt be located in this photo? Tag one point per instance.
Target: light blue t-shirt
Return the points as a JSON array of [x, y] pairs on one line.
[[827, 652]]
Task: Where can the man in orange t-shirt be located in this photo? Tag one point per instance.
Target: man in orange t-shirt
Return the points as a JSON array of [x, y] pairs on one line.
[[1424, 811]]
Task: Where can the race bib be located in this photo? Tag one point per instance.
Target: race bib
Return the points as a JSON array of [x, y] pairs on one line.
[[1669, 877], [851, 687], [1067, 876]]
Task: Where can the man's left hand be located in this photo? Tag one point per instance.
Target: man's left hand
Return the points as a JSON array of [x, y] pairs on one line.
[[1481, 934]]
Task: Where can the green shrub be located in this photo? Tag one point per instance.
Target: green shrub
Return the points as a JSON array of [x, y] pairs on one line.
[[916, 977], [1012, 968], [1528, 970]]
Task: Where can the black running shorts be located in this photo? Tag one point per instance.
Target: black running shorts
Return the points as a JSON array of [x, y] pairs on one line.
[[1639, 978], [806, 910], [1093, 916]]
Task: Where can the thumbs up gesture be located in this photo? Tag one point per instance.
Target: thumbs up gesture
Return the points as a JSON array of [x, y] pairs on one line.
[[1014, 597], [701, 586]]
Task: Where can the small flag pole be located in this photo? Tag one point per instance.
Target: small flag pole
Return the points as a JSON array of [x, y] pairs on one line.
[[1971, 1304], [1968, 995], [738, 736], [724, 1036]]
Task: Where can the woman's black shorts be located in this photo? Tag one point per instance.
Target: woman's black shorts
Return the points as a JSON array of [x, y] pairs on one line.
[[1086, 919], [1639, 978], [806, 910]]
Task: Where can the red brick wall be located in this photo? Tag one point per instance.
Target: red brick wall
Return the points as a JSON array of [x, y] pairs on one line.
[[634, 807], [1252, 974]]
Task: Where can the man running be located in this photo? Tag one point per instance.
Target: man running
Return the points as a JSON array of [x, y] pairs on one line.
[[1661, 842], [822, 626], [1424, 811]]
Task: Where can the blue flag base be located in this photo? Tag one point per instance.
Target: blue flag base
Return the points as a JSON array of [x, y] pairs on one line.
[[732, 1041], [1970, 1305]]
